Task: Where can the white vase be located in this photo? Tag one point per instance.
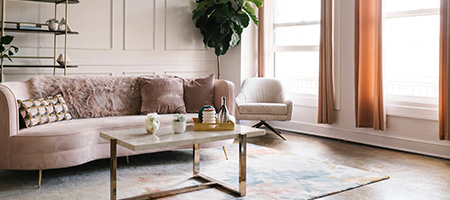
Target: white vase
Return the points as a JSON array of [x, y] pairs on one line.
[[53, 26], [61, 59], [179, 127]]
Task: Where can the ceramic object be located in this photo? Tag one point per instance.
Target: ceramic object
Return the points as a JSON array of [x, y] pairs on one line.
[[152, 123], [53, 26], [61, 59], [223, 115], [209, 115], [179, 127], [200, 113], [62, 25]]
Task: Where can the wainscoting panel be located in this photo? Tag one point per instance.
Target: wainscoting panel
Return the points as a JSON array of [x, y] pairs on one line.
[[188, 74], [180, 32], [139, 24]]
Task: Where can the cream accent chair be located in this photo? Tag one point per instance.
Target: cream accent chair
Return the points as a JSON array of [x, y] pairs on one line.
[[263, 99]]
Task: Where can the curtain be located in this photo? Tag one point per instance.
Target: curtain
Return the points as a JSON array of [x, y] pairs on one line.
[[369, 106], [444, 71], [326, 94], [263, 31]]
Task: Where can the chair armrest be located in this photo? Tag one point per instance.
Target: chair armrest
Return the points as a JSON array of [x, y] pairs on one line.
[[224, 88], [289, 104]]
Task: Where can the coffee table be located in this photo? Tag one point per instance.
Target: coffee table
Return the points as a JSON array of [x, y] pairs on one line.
[[139, 140]]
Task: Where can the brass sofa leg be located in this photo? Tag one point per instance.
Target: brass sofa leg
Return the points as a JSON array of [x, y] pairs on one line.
[[225, 152], [128, 160], [40, 179]]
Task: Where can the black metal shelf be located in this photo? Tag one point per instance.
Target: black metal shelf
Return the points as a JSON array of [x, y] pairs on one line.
[[55, 1], [39, 66], [40, 31]]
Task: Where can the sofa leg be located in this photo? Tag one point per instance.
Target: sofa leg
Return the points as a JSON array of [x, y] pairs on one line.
[[128, 160], [40, 179], [225, 152]]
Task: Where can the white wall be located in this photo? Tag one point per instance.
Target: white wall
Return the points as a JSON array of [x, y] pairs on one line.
[[116, 37], [408, 134]]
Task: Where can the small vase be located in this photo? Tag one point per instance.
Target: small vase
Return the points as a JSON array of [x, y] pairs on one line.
[[61, 59], [179, 127], [151, 126], [53, 26], [223, 115]]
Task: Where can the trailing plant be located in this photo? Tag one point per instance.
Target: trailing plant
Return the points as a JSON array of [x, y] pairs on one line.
[[6, 49], [221, 22], [52, 20]]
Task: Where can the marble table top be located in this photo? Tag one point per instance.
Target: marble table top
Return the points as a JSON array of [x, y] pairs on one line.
[[139, 139]]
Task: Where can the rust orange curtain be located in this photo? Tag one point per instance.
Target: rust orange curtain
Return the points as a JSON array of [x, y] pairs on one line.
[[369, 105], [326, 89], [263, 31], [444, 72]]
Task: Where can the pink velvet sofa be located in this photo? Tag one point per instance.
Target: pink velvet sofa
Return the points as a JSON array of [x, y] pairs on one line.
[[71, 142]]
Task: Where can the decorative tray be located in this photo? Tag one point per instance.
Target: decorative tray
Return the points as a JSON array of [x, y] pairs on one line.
[[198, 126]]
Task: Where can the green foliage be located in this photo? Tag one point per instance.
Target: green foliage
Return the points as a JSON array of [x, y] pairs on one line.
[[52, 20], [221, 22], [6, 49]]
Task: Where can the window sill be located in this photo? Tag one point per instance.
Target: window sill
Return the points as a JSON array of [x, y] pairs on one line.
[[426, 111]]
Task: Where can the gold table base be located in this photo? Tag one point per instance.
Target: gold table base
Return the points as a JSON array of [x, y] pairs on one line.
[[206, 182]]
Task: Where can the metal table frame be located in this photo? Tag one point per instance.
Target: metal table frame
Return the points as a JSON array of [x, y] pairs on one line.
[[206, 182]]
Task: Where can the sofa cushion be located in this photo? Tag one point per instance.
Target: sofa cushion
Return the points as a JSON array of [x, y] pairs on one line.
[[77, 133], [198, 92], [43, 110], [263, 108], [91, 96], [162, 95]]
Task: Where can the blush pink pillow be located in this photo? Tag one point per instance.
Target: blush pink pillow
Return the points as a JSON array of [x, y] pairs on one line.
[[198, 92], [161, 95]]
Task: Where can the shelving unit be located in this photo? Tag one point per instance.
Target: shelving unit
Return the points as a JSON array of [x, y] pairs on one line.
[[40, 31]]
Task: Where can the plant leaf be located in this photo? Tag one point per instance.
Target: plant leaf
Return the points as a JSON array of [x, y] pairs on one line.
[[222, 13], [15, 49], [7, 39], [258, 3], [235, 39], [10, 53], [241, 19], [251, 12]]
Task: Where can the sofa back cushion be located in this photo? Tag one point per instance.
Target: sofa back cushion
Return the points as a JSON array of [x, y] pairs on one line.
[[198, 92], [162, 95], [91, 97]]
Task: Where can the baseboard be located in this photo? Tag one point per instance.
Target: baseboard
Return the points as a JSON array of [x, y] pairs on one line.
[[429, 148]]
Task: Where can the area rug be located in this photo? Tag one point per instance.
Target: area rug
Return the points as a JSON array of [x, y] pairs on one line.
[[271, 174]]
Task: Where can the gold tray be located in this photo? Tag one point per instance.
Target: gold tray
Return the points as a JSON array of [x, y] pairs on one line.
[[198, 126]]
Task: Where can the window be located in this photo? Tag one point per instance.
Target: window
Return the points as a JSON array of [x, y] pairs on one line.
[[295, 48], [411, 57]]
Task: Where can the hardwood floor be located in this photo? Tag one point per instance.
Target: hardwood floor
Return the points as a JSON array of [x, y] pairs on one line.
[[412, 176]]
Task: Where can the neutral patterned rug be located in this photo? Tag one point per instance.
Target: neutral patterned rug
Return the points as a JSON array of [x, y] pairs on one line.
[[271, 174]]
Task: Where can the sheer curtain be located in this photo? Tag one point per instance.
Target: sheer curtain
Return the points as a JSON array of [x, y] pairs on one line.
[[369, 105], [326, 89], [444, 71]]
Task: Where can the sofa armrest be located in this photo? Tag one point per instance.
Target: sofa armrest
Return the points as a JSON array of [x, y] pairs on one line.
[[9, 122], [224, 88]]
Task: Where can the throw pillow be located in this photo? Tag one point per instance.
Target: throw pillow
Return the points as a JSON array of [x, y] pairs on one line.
[[198, 92], [43, 110], [162, 95]]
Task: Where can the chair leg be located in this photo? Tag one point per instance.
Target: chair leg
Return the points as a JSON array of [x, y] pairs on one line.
[[276, 131], [259, 124], [40, 179]]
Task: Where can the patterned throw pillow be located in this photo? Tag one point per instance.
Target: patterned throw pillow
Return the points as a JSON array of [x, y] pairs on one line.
[[43, 110]]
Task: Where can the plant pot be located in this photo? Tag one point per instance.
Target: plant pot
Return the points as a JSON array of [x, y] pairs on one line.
[[179, 127], [53, 26]]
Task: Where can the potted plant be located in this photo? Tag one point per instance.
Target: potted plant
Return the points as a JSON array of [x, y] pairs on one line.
[[52, 24], [221, 23], [179, 123], [6, 49]]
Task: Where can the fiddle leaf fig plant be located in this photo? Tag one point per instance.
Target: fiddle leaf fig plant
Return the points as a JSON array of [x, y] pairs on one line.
[[6, 49], [221, 22]]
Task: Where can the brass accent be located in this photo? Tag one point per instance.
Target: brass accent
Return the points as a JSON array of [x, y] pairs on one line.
[[54, 44], [113, 169], [242, 164], [225, 152], [196, 168], [40, 179], [128, 160], [65, 38], [3, 34]]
